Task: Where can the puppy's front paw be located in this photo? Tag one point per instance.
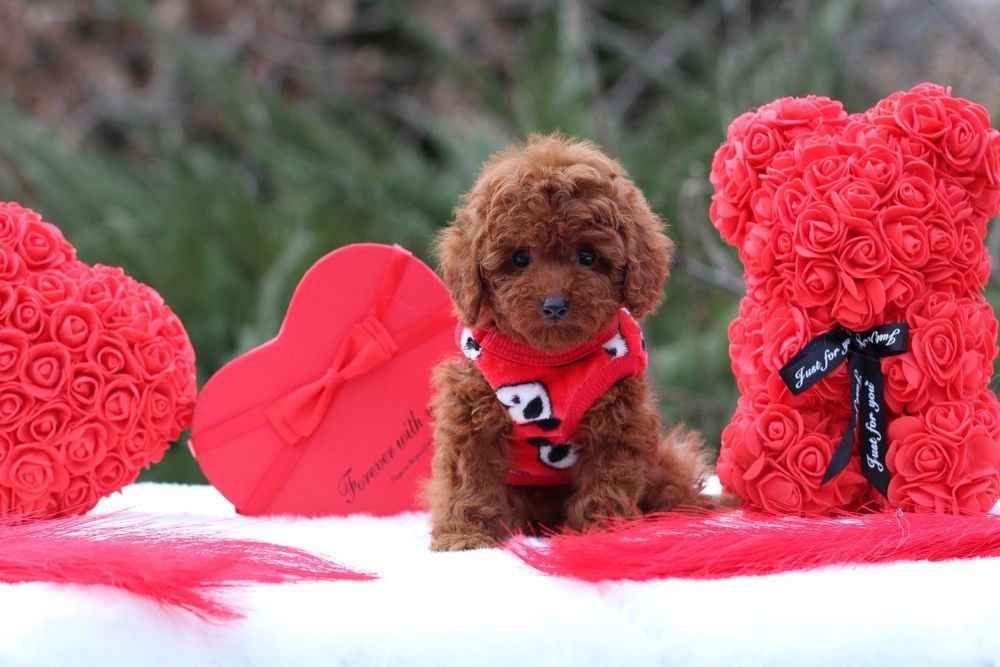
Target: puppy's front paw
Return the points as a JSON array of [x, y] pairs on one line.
[[462, 541], [589, 513]]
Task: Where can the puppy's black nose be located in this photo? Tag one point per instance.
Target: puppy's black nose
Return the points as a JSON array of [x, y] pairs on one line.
[[555, 308]]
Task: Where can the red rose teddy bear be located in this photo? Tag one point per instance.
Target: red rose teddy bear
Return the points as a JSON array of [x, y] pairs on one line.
[[864, 347]]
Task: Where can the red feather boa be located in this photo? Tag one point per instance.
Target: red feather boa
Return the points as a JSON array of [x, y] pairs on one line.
[[171, 565], [720, 545]]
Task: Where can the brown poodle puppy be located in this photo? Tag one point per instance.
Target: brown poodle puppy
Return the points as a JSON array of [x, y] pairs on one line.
[[551, 242]]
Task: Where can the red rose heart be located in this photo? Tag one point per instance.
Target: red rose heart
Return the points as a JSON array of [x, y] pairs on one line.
[[90, 360], [331, 416], [858, 221]]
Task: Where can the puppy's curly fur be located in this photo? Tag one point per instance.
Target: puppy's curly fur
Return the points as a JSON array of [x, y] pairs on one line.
[[551, 198]]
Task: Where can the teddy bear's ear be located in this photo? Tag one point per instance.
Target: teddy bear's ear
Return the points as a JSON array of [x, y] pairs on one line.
[[458, 258], [967, 148], [970, 150], [756, 141], [648, 251]]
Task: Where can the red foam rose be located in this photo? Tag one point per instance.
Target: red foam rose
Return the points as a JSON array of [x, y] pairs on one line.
[[13, 345], [859, 221], [89, 359]]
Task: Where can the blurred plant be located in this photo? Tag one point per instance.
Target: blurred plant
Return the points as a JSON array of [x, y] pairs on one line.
[[258, 136]]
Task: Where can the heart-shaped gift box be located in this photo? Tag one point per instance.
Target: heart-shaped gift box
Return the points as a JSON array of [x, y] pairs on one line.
[[97, 375], [331, 416]]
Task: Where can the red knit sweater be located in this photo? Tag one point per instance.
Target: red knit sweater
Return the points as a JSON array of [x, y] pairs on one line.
[[547, 395]]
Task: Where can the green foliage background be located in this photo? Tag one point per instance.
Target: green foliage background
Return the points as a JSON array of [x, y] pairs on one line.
[[223, 216]]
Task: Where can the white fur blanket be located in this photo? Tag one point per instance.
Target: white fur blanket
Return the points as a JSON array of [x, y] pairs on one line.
[[486, 608]]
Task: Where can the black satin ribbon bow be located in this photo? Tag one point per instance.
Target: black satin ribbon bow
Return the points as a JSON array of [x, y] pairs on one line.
[[863, 352]]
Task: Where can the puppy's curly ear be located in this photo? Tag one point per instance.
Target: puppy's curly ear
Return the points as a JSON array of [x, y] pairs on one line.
[[648, 252], [458, 261]]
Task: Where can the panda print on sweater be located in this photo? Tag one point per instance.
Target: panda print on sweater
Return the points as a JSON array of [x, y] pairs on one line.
[[528, 403]]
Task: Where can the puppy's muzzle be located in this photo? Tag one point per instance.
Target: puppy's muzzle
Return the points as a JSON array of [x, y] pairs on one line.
[[555, 308]]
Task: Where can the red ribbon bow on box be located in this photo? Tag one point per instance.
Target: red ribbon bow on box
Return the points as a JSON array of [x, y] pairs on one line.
[[296, 415]]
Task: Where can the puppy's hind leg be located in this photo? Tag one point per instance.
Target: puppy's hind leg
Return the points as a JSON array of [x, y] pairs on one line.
[[678, 473]]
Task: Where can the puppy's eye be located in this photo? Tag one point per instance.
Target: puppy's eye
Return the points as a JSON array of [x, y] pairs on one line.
[[586, 256], [521, 259]]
